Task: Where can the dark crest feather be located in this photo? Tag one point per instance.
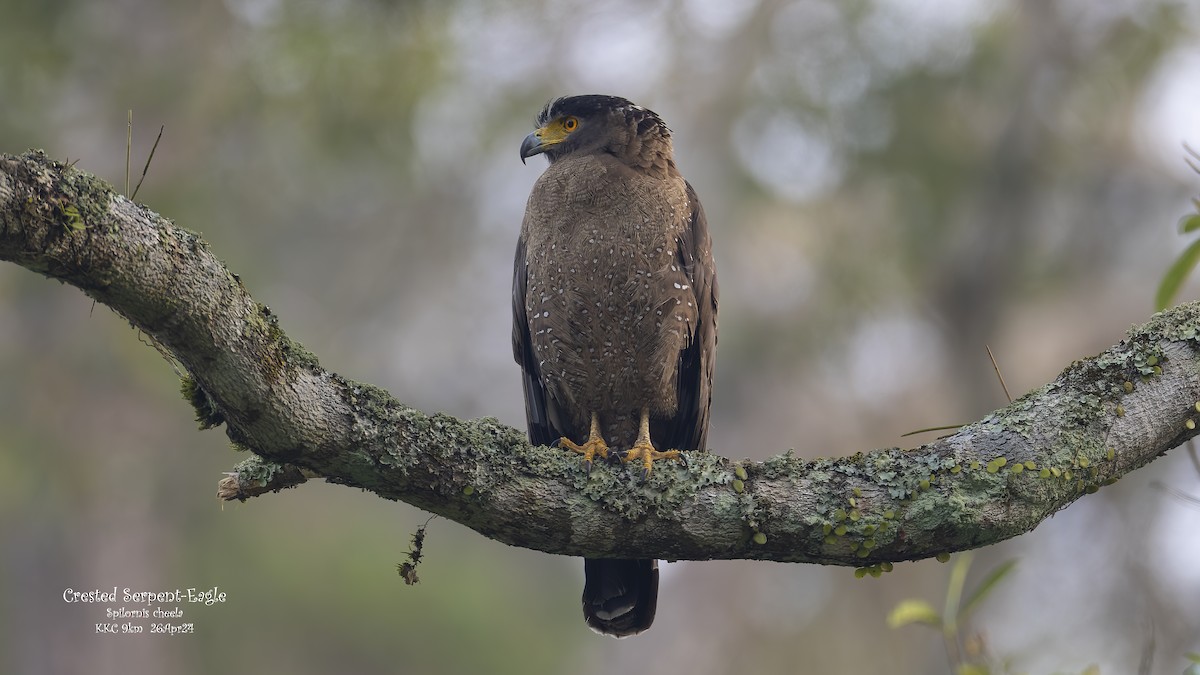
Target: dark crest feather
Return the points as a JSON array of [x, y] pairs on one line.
[[592, 104]]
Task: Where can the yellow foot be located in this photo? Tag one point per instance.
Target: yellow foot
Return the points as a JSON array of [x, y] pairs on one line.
[[647, 454], [594, 446]]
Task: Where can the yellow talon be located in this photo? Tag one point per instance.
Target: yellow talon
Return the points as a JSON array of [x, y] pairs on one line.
[[644, 450], [594, 446], [648, 454]]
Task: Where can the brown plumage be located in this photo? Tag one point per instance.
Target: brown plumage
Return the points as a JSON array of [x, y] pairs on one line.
[[614, 311]]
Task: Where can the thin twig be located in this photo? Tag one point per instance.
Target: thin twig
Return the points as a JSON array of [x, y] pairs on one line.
[[128, 144], [1178, 494], [1146, 665], [997, 369], [147, 167], [921, 431], [148, 340]]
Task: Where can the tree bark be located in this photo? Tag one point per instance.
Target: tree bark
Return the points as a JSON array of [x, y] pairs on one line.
[[996, 478]]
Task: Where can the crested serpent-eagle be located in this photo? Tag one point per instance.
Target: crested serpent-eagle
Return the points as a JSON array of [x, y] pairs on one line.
[[614, 312]]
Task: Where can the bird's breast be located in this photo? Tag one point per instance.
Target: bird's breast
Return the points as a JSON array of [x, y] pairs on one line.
[[608, 300]]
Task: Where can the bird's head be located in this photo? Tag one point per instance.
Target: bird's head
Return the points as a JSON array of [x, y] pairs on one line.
[[597, 123]]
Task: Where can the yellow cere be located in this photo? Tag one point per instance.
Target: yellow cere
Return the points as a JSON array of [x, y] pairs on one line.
[[556, 131]]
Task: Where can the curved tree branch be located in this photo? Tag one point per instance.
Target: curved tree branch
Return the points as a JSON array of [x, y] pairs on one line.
[[993, 479]]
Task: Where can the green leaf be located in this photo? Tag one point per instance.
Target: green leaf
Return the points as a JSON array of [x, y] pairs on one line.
[[913, 611], [954, 587], [1189, 223], [1176, 275], [989, 582], [72, 219], [971, 669], [1194, 657]]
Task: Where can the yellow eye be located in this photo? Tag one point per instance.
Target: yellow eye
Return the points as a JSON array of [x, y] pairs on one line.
[[569, 124]]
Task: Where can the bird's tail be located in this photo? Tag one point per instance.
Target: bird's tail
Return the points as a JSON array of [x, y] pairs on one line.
[[619, 596]]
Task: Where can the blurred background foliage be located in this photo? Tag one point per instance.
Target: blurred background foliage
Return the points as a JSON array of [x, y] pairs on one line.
[[891, 185]]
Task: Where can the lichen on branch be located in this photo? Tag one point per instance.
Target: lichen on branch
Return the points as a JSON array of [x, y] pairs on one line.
[[996, 478]]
